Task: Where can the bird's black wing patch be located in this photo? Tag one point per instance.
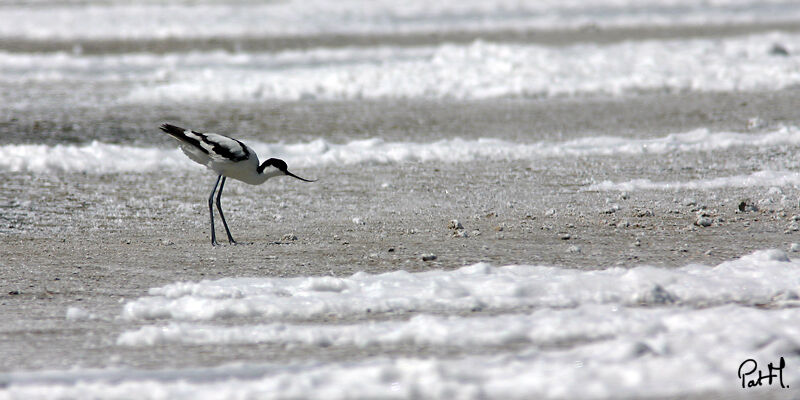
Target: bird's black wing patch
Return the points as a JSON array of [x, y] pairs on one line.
[[213, 144], [226, 147]]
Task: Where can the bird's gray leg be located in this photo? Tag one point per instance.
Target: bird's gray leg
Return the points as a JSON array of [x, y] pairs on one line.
[[219, 207], [211, 212]]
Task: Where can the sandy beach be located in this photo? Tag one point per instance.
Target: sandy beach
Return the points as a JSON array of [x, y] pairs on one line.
[[67, 249], [685, 175]]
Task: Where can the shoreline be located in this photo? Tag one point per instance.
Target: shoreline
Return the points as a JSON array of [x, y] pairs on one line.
[[546, 37]]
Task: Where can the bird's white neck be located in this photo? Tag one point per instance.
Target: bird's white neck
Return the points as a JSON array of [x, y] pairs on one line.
[[269, 173], [251, 176], [258, 178]]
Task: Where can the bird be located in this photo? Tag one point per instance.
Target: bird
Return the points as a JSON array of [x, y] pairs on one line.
[[228, 158]]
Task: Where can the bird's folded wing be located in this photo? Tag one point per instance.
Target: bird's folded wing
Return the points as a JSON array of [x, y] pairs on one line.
[[201, 147], [223, 148]]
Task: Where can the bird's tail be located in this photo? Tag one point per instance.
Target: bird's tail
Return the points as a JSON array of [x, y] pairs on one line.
[[186, 136]]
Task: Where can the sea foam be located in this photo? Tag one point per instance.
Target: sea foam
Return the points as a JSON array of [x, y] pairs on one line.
[[98, 157], [763, 277], [764, 178], [146, 20], [475, 71], [484, 70], [545, 332]]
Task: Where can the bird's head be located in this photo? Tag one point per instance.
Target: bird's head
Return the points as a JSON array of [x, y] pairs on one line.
[[277, 167]]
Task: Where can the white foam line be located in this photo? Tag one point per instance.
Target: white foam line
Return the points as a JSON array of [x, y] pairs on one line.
[[96, 157], [147, 68], [543, 328], [756, 179], [490, 70], [763, 277], [638, 332], [125, 20], [99, 157], [647, 353], [479, 70], [546, 327]]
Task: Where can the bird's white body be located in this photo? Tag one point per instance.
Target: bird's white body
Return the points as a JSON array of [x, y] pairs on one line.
[[229, 158]]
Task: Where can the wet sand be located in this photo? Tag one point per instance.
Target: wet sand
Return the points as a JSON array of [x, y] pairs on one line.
[[519, 120], [93, 241]]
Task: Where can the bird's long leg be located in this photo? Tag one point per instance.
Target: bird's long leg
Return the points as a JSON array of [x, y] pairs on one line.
[[219, 207], [211, 212]]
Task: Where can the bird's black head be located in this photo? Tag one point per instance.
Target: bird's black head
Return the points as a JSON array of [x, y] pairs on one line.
[[280, 165]]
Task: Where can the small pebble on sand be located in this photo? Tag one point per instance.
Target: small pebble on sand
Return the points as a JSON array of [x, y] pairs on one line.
[[703, 221], [611, 209], [428, 257], [460, 233], [747, 205], [454, 224]]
